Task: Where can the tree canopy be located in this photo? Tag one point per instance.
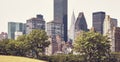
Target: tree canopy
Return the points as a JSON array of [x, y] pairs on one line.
[[33, 43], [93, 46]]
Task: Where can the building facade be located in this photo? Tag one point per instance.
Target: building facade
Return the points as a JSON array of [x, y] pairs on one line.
[[116, 39], [35, 23], [109, 29], [17, 34], [98, 19], [60, 14], [114, 22], [80, 24], [54, 29], [15, 26]]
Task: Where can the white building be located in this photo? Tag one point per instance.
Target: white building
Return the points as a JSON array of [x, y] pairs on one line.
[[17, 34], [108, 25]]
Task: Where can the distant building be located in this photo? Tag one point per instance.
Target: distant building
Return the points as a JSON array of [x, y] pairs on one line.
[[109, 29], [107, 25], [80, 24], [3, 35], [55, 45], [60, 14], [17, 34], [58, 46], [114, 22], [35, 23], [92, 29], [116, 39], [71, 31], [15, 26], [54, 29], [98, 19]]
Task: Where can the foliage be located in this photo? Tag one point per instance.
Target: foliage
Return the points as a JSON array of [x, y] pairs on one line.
[[93, 46], [62, 58], [25, 45], [37, 40]]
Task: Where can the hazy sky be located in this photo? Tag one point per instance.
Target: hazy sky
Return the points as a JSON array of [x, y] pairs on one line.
[[21, 10]]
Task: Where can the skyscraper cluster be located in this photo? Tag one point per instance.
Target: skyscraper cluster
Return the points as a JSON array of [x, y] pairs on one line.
[[59, 36]]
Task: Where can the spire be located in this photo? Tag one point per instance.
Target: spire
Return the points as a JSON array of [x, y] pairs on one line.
[[72, 27], [73, 18]]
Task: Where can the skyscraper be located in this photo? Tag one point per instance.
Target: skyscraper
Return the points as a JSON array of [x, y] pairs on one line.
[[108, 29], [80, 23], [13, 27], [35, 23], [60, 14], [71, 34], [114, 22], [54, 29], [116, 39], [98, 19]]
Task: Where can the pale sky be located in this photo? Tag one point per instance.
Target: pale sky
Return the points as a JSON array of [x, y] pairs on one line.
[[21, 10]]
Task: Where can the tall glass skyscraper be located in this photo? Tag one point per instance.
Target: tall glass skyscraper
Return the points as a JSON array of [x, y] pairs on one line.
[[98, 19], [80, 23], [60, 14], [13, 27]]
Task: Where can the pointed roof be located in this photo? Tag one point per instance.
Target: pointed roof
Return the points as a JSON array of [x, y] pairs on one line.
[[73, 18], [80, 23]]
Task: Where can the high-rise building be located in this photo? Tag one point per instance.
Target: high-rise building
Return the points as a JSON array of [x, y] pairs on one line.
[[98, 19], [116, 39], [80, 24], [35, 23], [71, 32], [54, 29], [107, 25], [15, 26], [114, 22], [108, 29], [60, 14]]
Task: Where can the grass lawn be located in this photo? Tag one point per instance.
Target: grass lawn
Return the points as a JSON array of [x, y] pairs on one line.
[[17, 59]]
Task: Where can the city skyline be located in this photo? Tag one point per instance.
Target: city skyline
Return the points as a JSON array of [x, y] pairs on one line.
[[21, 10]]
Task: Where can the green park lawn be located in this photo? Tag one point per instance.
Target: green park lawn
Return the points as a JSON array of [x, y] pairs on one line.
[[17, 59]]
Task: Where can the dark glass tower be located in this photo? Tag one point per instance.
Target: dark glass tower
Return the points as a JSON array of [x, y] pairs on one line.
[[60, 14], [80, 23], [98, 19]]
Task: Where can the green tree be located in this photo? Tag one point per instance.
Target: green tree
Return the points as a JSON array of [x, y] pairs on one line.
[[3, 46], [93, 46], [38, 41]]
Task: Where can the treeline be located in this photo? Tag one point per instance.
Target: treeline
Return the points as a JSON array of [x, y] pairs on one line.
[[30, 45], [88, 47]]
